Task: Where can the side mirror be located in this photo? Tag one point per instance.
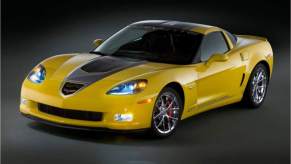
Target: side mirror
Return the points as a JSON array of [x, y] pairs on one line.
[[217, 58], [97, 42]]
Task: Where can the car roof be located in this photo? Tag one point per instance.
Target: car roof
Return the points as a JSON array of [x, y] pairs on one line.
[[178, 25]]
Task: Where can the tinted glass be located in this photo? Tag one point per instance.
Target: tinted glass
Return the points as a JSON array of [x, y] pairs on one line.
[[186, 44], [232, 37], [213, 43], [153, 44]]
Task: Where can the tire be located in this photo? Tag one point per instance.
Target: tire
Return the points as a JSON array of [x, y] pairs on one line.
[[256, 89], [165, 116]]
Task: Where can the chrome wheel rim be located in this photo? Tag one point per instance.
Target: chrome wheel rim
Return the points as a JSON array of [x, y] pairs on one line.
[[259, 83], [166, 113]]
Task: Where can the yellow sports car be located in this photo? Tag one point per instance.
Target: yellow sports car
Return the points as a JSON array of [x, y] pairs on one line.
[[149, 75]]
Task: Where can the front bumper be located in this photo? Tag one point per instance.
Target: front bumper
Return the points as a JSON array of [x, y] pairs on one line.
[[141, 113], [81, 127]]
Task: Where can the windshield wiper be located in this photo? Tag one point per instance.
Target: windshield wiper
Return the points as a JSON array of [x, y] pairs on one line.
[[98, 53]]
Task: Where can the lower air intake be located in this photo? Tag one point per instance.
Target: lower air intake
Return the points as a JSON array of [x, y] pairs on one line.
[[69, 113]]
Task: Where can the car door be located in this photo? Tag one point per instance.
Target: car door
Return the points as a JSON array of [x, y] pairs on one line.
[[216, 76]]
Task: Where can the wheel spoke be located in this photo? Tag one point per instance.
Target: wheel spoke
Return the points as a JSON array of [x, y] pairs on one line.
[[169, 124], [162, 101], [260, 80], [158, 115], [175, 108], [169, 106], [255, 94], [173, 118], [160, 123], [254, 91], [259, 76]]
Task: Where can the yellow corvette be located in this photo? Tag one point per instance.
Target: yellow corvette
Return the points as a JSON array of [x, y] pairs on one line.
[[149, 75]]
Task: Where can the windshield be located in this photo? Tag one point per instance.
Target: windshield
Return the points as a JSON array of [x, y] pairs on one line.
[[153, 44]]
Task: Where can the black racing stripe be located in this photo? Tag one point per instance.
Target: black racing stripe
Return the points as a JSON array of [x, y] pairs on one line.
[[168, 24], [108, 64], [100, 68]]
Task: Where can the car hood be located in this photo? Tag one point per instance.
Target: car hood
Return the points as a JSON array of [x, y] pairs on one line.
[[90, 68]]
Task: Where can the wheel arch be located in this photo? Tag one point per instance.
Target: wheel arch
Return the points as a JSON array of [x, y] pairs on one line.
[[177, 87], [266, 64], [263, 62]]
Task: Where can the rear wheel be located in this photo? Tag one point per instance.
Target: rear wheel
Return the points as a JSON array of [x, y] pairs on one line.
[[256, 89], [166, 113]]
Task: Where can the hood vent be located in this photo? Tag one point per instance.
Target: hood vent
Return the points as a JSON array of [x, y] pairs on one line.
[[70, 88]]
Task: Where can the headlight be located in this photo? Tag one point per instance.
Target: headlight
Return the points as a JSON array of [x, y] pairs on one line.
[[37, 75], [128, 88]]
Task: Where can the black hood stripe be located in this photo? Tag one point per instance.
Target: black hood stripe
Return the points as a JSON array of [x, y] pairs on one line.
[[100, 68]]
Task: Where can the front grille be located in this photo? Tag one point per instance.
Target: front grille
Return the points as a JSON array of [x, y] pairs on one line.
[[69, 113], [70, 88]]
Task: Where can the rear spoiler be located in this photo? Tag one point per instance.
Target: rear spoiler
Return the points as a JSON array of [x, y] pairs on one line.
[[253, 37]]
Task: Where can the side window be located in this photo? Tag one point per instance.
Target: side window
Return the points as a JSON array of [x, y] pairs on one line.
[[186, 44], [213, 43]]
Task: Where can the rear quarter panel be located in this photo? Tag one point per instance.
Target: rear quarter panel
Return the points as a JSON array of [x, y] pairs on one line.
[[254, 50]]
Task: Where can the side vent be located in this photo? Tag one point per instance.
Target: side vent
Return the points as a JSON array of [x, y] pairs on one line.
[[242, 79], [244, 56]]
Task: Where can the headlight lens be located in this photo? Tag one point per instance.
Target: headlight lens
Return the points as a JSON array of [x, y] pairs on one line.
[[128, 88], [37, 75]]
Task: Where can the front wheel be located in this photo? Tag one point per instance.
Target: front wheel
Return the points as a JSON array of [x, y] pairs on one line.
[[166, 113], [256, 88]]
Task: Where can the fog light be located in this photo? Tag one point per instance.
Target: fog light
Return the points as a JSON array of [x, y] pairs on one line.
[[23, 101], [123, 117]]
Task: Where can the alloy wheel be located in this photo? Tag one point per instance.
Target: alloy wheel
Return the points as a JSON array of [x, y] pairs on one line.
[[166, 113], [259, 84]]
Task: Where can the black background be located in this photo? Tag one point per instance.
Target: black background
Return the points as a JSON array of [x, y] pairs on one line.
[[35, 30]]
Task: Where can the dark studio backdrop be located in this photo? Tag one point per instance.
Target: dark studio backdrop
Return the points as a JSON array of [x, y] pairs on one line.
[[35, 30]]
